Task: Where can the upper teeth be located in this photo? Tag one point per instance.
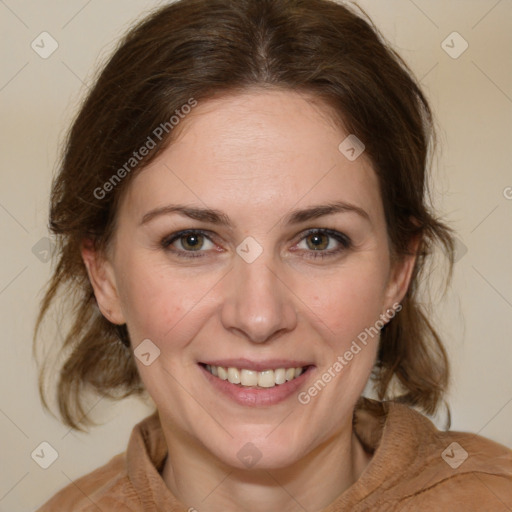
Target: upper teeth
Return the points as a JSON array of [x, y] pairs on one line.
[[264, 379]]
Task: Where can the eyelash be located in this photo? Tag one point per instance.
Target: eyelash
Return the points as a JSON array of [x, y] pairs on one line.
[[343, 239]]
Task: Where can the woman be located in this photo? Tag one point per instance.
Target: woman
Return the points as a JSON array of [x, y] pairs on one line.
[[243, 222]]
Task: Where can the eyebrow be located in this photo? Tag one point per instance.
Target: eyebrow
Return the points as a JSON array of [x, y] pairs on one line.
[[219, 218]]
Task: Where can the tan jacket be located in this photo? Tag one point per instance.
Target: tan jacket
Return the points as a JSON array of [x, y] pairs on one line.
[[415, 467]]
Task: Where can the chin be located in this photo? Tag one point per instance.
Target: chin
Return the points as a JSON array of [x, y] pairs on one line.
[[277, 450]]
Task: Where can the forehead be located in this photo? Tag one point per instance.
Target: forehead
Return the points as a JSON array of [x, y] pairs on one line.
[[251, 149], [262, 128]]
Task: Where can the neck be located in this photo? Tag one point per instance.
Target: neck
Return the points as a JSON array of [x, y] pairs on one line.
[[202, 481]]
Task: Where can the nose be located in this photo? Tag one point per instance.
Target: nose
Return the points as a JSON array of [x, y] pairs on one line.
[[258, 304]]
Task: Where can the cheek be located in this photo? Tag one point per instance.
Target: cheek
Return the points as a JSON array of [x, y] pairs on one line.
[[162, 305], [351, 301]]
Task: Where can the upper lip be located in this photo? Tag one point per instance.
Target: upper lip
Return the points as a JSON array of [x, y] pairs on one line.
[[258, 366]]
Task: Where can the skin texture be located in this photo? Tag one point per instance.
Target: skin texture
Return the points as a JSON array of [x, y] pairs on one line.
[[254, 156]]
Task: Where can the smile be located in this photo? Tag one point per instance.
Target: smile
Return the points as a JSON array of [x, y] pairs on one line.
[[251, 383]]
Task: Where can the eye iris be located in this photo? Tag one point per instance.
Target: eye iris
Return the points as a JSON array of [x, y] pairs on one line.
[[192, 241], [317, 241]]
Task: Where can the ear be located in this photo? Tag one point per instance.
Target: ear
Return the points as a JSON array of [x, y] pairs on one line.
[[102, 278], [400, 274]]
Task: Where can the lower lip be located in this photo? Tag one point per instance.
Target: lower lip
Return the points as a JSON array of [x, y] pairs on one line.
[[253, 396]]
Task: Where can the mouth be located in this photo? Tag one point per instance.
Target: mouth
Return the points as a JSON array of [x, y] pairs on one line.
[[256, 383]]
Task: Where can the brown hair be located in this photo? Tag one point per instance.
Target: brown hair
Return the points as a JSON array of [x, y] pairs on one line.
[[197, 49]]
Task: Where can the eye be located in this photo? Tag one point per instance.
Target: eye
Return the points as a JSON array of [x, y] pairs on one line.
[[185, 243], [322, 243]]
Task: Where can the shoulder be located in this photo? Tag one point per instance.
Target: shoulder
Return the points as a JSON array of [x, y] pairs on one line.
[[126, 483], [416, 466], [454, 468], [467, 470], [108, 485]]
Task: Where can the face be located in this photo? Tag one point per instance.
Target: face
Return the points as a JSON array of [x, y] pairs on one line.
[[226, 254]]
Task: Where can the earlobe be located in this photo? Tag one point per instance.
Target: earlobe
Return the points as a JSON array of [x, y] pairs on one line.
[[101, 276]]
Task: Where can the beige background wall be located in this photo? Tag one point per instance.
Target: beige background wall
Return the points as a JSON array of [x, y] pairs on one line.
[[472, 96]]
